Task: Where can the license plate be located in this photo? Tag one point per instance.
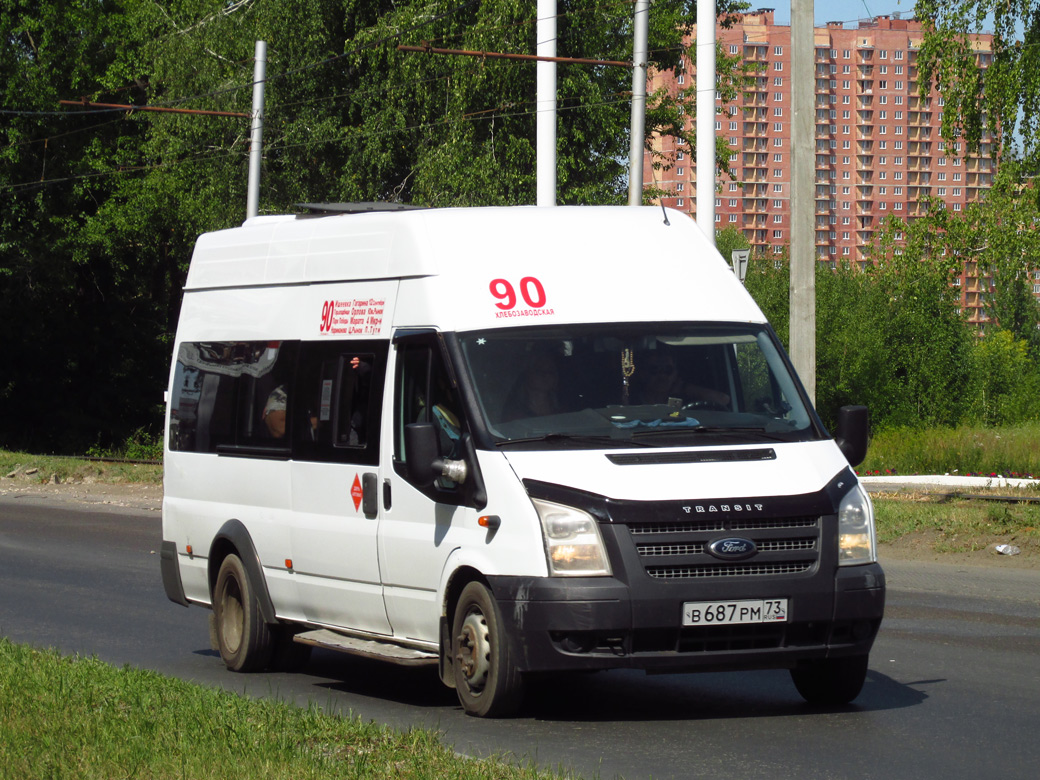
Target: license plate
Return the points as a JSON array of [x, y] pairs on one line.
[[716, 613]]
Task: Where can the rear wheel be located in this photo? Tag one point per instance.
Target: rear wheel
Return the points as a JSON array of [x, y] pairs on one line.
[[243, 638], [486, 679], [831, 680]]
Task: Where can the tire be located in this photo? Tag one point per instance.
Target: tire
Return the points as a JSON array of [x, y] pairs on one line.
[[832, 680], [487, 681], [244, 640]]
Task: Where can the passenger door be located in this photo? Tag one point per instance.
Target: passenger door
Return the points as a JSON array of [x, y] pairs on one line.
[[422, 525], [336, 483]]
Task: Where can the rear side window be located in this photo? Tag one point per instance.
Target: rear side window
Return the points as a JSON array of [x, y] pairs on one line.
[[231, 394], [316, 401]]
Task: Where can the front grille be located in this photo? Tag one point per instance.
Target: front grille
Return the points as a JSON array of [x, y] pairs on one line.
[[679, 528], [670, 549], [784, 546], [729, 570]]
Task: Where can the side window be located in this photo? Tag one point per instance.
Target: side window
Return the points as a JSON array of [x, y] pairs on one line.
[[231, 395], [339, 388], [424, 393]]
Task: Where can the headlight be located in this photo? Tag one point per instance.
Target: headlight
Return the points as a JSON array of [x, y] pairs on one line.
[[573, 545], [856, 541]]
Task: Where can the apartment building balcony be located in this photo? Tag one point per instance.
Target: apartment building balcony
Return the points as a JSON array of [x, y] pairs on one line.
[[919, 133], [918, 148], [864, 146], [919, 164], [755, 52], [865, 88], [914, 178], [863, 132], [865, 115], [825, 86], [755, 145], [824, 206]]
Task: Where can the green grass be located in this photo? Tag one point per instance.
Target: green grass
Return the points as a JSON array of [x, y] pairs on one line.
[[1011, 452], [955, 525], [66, 717], [44, 468]]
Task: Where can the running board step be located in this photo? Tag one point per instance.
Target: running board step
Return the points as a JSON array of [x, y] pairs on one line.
[[367, 648]]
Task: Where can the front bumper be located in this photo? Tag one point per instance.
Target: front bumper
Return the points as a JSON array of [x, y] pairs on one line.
[[560, 624]]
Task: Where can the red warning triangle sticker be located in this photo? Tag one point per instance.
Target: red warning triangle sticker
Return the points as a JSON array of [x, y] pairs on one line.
[[355, 492]]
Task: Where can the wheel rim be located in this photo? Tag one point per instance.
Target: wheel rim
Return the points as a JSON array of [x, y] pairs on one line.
[[232, 617], [474, 651]]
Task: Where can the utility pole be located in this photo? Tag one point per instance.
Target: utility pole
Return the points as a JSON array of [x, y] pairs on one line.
[[706, 118], [641, 25], [257, 131], [803, 197], [545, 101]]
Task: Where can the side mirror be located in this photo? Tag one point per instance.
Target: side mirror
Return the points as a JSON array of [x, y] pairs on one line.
[[851, 436], [422, 454]]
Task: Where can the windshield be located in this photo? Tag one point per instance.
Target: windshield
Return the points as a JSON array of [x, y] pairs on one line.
[[655, 384]]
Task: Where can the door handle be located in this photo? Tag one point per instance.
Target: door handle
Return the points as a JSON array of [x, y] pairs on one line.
[[370, 494]]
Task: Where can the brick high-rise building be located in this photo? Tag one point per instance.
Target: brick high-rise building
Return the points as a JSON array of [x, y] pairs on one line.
[[878, 147]]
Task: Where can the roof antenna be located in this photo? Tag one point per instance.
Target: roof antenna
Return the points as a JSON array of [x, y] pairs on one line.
[[665, 212]]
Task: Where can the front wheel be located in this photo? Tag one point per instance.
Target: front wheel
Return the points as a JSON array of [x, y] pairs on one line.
[[831, 680], [486, 679], [243, 638]]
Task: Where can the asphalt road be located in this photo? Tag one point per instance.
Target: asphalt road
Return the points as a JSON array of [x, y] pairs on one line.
[[953, 691]]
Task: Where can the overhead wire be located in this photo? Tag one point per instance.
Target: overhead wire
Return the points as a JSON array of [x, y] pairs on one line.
[[578, 13]]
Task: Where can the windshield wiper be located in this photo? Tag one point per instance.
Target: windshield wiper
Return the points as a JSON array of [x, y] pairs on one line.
[[579, 438]]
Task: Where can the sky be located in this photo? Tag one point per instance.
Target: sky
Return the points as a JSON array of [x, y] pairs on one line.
[[839, 10]]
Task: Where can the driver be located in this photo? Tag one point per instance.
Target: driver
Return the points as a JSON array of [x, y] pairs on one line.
[[657, 381]]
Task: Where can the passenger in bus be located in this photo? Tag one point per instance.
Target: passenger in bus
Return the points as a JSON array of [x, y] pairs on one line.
[[274, 412]]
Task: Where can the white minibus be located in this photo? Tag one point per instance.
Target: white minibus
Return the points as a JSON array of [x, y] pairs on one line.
[[507, 441]]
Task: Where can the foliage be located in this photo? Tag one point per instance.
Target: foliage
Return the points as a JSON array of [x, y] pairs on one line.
[[99, 210], [1002, 99], [1011, 451]]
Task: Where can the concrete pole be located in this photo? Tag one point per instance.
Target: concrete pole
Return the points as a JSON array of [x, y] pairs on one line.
[[257, 132], [545, 102], [803, 197], [706, 118], [641, 27]]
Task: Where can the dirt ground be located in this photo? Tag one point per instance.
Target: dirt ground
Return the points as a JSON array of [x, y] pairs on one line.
[[918, 546]]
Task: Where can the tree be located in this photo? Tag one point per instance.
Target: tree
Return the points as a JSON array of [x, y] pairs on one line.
[[99, 211], [1002, 98]]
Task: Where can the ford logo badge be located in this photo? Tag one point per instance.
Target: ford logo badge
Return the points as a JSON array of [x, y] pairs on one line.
[[732, 548]]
